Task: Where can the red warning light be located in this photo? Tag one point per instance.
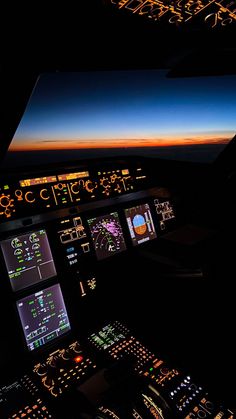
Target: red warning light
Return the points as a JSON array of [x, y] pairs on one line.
[[78, 359]]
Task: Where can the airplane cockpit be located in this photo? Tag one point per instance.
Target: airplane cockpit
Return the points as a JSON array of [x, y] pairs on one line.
[[117, 224]]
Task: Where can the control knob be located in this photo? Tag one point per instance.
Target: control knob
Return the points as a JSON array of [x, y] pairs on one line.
[[48, 381], [60, 186], [90, 186], [76, 348], [41, 369], [105, 182], [66, 354], [5, 201], [75, 188], [52, 362], [164, 370]]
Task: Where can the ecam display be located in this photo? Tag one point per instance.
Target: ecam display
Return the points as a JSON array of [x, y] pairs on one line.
[[43, 316], [28, 259]]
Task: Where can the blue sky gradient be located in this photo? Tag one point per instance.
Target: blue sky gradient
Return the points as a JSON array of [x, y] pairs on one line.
[[126, 109]]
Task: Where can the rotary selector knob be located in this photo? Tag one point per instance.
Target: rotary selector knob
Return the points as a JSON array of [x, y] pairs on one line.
[[52, 362], [76, 348], [90, 186], [41, 370], [5, 201], [60, 186], [105, 182], [48, 381], [164, 370], [66, 354], [75, 188]]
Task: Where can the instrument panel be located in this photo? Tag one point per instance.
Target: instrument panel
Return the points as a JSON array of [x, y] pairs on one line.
[[53, 265], [38, 194]]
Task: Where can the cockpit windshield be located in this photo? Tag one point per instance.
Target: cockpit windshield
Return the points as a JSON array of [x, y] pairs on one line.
[[80, 115]]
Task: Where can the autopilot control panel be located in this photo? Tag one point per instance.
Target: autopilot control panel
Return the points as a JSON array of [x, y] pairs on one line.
[[33, 193]]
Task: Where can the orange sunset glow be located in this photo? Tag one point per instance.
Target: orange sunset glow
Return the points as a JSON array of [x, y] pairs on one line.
[[66, 144]]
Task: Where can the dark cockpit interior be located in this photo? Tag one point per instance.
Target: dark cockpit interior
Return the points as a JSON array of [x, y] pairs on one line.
[[117, 211]]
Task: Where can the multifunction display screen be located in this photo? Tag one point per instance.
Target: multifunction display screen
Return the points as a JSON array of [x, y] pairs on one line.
[[28, 259], [43, 316], [140, 224], [107, 235]]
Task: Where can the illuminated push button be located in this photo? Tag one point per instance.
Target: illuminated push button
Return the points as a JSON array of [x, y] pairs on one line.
[[78, 359]]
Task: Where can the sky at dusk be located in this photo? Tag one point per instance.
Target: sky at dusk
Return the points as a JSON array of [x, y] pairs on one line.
[[141, 108]]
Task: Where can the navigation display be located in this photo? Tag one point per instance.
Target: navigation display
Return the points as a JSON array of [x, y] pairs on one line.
[[140, 223], [43, 316], [107, 235], [28, 259]]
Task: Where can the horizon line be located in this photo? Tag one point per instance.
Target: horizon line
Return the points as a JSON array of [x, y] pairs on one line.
[[23, 149]]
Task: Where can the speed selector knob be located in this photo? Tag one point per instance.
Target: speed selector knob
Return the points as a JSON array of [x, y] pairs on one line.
[[5, 201]]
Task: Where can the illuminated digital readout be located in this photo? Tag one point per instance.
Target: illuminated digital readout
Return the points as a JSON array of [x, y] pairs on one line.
[[71, 176], [37, 181], [28, 259], [140, 223], [43, 316], [107, 235], [106, 337]]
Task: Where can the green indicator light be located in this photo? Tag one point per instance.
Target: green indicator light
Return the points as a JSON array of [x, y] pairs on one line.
[[151, 369], [6, 187]]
